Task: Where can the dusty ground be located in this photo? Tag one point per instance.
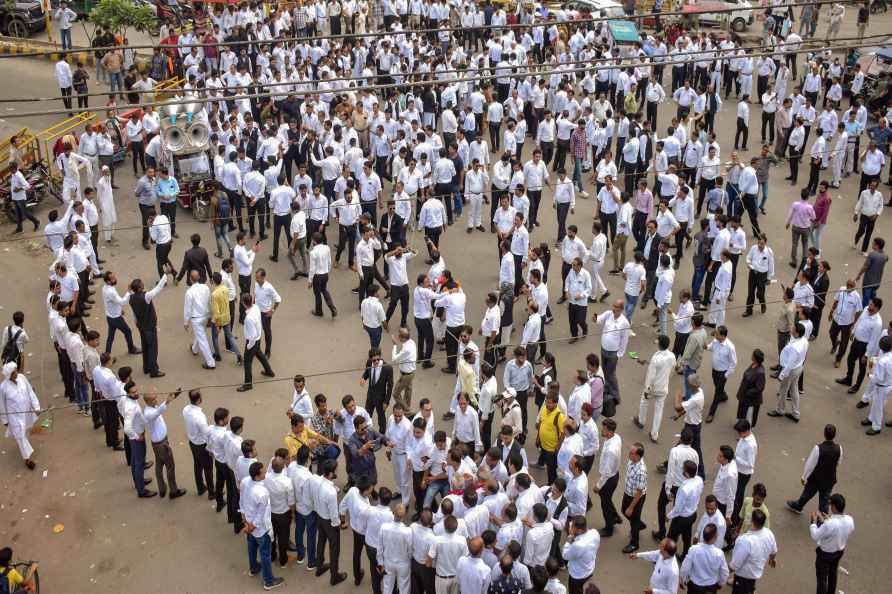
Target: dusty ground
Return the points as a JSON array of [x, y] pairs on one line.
[[113, 541]]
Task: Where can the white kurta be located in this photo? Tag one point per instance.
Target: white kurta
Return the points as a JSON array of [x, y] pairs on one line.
[[108, 215], [16, 400]]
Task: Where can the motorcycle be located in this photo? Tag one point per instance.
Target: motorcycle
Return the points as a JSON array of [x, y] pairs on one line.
[[39, 179]]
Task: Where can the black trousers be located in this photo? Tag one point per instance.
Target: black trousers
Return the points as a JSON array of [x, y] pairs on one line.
[[635, 520], [169, 209], [865, 230], [281, 537], [680, 342], [248, 362], [452, 346], [755, 288], [232, 502], [424, 579], [149, 340], [144, 211], [425, 330], [826, 568], [202, 466], [858, 352], [358, 546], [376, 576], [399, 294], [244, 287], [767, 120], [346, 238], [162, 257], [662, 502], [742, 481], [220, 485], [280, 223], [535, 197], [257, 211], [608, 510], [839, 339], [811, 489], [575, 586], [743, 408], [332, 536], [320, 291], [66, 97], [115, 324], [682, 526], [267, 323], [718, 381], [109, 411], [578, 315]]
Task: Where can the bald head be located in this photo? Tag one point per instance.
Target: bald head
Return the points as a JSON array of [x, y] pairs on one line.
[[193, 276], [475, 546]]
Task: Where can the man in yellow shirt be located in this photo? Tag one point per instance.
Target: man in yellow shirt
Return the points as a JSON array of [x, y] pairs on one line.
[[220, 318], [550, 425], [16, 583], [301, 435]]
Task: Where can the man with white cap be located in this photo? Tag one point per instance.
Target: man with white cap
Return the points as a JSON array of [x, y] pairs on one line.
[[108, 215], [18, 409]]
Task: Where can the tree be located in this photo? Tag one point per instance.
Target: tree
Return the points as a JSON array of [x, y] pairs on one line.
[[118, 16]]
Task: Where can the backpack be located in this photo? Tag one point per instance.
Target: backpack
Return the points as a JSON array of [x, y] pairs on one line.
[[11, 353]]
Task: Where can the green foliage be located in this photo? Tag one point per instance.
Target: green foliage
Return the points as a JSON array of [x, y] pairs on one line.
[[120, 15]]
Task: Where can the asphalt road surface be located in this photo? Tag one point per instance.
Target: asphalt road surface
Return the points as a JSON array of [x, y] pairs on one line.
[[113, 542]]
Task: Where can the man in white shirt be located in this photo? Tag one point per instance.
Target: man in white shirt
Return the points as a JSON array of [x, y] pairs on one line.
[[752, 551], [581, 551], [704, 568], [684, 510], [614, 339], [831, 533], [373, 316], [196, 313], [664, 577], [253, 330], [317, 275], [255, 506], [656, 387], [156, 430], [608, 475], [405, 355], [197, 431]]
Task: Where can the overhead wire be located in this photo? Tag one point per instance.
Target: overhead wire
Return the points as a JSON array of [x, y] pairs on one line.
[[544, 23], [191, 100], [432, 359], [597, 64]]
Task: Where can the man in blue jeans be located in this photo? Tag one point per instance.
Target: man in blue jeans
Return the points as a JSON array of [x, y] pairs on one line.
[[255, 508], [135, 431], [436, 479], [65, 17]]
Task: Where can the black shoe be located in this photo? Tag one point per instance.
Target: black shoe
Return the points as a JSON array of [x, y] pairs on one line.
[[118, 448], [747, 314], [147, 494], [853, 390], [244, 388], [605, 532], [358, 579], [791, 505], [322, 569], [318, 314], [861, 404], [157, 374], [843, 381], [178, 493], [657, 535], [775, 368], [774, 413], [274, 258], [630, 548], [277, 581], [208, 367], [337, 579], [267, 373], [866, 423], [218, 358], [791, 417], [871, 431], [220, 507]]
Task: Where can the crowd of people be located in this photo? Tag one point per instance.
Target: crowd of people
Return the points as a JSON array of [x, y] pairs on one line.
[[488, 122]]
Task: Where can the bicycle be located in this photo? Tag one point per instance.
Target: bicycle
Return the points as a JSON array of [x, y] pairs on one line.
[[32, 578]]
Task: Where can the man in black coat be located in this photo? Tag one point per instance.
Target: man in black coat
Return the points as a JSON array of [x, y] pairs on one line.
[[752, 385], [378, 376], [195, 258]]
